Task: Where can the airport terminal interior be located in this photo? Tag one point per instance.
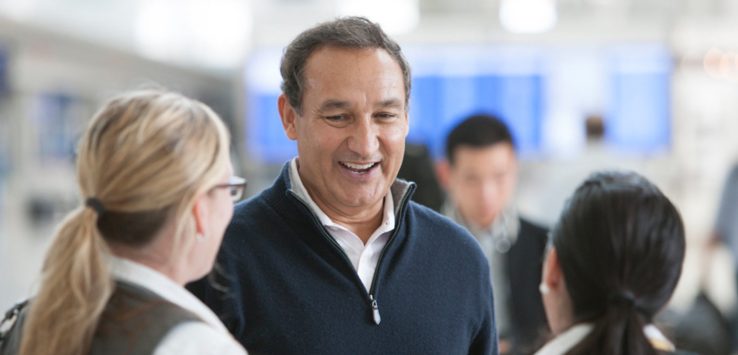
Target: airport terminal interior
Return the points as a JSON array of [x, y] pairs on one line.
[[661, 75]]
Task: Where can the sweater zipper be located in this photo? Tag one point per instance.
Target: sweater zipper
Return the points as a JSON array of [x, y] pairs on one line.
[[376, 316], [373, 288], [375, 310]]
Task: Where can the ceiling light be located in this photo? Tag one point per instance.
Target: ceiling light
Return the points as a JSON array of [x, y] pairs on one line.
[[395, 16], [528, 16]]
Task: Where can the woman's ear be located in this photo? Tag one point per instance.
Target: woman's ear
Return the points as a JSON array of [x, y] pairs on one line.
[[552, 274], [556, 300], [200, 214]]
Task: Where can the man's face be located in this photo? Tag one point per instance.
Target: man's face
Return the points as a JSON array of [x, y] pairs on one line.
[[482, 181], [351, 131]]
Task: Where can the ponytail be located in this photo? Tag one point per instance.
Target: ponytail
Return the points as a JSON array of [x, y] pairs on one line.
[[620, 244], [76, 285], [617, 332], [131, 169]]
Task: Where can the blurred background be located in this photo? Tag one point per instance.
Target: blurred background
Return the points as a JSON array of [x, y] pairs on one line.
[[661, 76]]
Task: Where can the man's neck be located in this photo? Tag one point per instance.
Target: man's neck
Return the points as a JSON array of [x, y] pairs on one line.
[[360, 221], [476, 225], [152, 258]]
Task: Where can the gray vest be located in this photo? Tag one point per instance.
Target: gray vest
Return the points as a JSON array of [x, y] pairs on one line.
[[134, 321]]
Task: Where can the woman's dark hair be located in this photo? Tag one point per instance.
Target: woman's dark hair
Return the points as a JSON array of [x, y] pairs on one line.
[[620, 244]]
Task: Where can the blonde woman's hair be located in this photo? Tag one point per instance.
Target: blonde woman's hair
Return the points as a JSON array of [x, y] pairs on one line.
[[145, 156]]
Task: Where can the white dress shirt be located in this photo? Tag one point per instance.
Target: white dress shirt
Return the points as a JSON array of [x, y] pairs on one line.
[[363, 257], [572, 336], [496, 240], [207, 337]]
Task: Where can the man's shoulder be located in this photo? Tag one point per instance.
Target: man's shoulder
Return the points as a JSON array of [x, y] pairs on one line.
[[257, 216], [533, 228], [439, 230], [257, 206], [532, 235], [265, 203], [427, 218]]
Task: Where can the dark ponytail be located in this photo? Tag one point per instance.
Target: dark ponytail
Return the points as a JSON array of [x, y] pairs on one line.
[[618, 331], [621, 245]]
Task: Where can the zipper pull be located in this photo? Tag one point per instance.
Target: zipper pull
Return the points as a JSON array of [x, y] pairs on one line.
[[375, 310]]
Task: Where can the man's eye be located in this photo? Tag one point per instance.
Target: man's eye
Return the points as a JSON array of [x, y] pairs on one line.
[[335, 117], [386, 115]]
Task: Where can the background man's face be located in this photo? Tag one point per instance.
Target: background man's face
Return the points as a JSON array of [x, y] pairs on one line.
[[482, 181], [351, 133]]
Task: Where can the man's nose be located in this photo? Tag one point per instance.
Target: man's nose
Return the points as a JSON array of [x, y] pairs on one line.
[[490, 192], [364, 139]]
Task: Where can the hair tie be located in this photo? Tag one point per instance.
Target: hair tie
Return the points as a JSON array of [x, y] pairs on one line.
[[95, 204], [624, 298]]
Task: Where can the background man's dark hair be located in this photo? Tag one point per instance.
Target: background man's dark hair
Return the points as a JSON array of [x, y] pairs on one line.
[[477, 131], [345, 32], [594, 127]]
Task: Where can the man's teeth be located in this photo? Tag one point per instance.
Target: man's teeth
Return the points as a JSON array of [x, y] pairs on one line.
[[359, 166]]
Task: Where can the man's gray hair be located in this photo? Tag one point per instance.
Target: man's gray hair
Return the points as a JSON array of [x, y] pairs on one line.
[[345, 32]]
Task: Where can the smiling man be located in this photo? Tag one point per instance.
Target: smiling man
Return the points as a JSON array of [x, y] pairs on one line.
[[334, 258]]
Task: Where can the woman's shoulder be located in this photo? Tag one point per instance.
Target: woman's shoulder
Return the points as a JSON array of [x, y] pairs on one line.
[[198, 338], [681, 352]]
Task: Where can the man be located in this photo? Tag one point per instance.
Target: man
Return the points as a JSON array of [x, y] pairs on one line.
[[725, 232], [481, 179], [334, 258]]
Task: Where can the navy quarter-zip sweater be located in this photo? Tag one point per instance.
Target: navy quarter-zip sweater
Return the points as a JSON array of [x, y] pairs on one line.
[[282, 285]]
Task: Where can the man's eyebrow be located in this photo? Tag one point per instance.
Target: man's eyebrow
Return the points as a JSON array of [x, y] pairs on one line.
[[390, 103], [333, 104]]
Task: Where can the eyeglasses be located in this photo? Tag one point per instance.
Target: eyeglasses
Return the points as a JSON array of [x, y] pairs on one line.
[[236, 187]]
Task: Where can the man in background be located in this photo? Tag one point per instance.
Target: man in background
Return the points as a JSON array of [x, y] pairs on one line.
[[481, 176]]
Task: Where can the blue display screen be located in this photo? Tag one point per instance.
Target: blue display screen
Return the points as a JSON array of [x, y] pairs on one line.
[[543, 94], [439, 102], [639, 117]]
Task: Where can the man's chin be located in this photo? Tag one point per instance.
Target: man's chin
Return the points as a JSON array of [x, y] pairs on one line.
[[363, 200], [484, 222]]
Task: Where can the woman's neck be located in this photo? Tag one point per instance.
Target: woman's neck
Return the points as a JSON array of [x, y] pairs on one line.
[[152, 259]]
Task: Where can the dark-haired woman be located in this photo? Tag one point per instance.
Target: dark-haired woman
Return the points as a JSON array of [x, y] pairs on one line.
[[615, 259]]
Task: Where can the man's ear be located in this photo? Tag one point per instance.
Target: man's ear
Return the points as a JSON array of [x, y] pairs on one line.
[[200, 214], [552, 274], [289, 116], [407, 123], [443, 170]]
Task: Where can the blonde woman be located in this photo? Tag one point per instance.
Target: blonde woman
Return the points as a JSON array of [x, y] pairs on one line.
[[156, 181]]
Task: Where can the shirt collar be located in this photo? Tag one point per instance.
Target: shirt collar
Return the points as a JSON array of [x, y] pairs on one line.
[[575, 334], [566, 340], [506, 226], [388, 214], [138, 274]]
